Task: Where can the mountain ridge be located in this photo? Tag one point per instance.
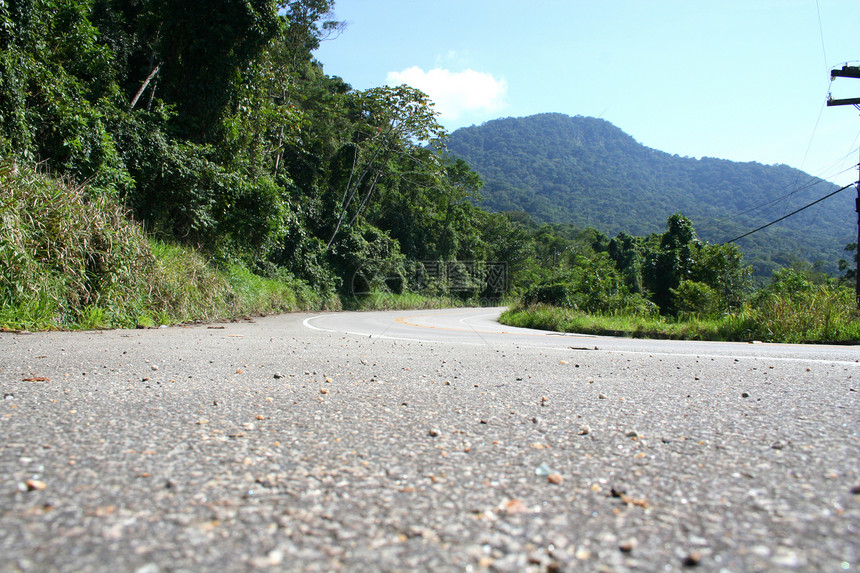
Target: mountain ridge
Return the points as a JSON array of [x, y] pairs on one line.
[[588, 172]]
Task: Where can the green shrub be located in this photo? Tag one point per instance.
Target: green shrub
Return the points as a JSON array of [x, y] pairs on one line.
[[693, 298]]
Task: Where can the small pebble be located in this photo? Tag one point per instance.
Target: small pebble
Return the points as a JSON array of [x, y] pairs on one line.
[[543, 470], [692, 559], [745, 394], [433, 432], [154, 368], [35, 485], [856, 490], [555, 478], [601, 396], [627, 545], [584, 430], [277, 375]]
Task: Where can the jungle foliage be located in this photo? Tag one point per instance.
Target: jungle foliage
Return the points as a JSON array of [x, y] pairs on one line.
[[158, 154], [215, 128]]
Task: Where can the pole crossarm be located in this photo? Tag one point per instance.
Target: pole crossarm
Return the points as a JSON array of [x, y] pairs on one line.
[[846, 72], [849, 101]]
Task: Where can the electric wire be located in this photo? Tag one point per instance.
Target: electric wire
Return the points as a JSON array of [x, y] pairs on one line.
[[813, 180], [810, 183], [820, 113], [821, 32], [795, 212]]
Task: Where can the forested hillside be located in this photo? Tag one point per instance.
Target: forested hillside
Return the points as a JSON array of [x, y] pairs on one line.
[[587, 172], [214, 125]]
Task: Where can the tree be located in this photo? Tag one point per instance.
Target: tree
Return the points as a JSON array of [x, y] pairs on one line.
[[391, 123], [628, 253], [58, 91], [681, 258], [202, 46], [672, 262]]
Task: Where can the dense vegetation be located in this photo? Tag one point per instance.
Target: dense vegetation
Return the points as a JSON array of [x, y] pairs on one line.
[[165, 161], [672, 284], [588, 172], [215, 127], [68, 259]]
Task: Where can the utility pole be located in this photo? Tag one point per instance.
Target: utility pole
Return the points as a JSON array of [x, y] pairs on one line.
[[851, 72]]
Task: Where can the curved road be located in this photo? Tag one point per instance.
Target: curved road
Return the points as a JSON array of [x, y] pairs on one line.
[[423, 441], [480, 327]]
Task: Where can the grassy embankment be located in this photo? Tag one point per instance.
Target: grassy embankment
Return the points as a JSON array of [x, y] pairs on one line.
[[68, 261], [825, 315]]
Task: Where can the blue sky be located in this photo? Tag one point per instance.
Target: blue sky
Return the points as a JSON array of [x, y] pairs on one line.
[[744, 80]]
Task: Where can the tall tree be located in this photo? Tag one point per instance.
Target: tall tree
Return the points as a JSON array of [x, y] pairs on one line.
[[203, 45], [392, 123]]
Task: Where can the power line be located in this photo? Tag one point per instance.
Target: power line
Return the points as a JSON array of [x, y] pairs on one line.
[[790, 214], [821, 33], [812, 182]]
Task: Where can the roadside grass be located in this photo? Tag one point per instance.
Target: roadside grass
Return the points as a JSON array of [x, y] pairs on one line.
[[773, 322], [256, 295], [404, 301], [413, 301], [71, 261]]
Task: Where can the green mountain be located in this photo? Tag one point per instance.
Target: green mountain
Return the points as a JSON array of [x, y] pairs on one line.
[[586, 171]]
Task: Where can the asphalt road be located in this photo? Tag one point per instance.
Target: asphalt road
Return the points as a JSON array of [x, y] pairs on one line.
[[423, 441]]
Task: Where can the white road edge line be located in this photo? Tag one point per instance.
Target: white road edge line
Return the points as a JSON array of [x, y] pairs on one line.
[[307, 322]]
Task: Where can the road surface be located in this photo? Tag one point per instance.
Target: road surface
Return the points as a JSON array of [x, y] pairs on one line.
[[423, 441]]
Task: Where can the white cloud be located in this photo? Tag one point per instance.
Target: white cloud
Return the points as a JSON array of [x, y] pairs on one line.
[[456, 94]]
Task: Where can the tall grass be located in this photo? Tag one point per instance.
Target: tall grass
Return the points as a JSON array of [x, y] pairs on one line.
[[817, 313], [68, 260], [63, 253], [827, 315], [404, 301], [413, 301], [256, 295]]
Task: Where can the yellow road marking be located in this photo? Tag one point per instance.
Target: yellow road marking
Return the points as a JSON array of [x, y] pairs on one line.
[[404, 320]]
